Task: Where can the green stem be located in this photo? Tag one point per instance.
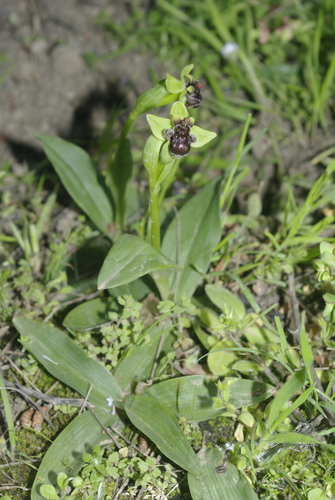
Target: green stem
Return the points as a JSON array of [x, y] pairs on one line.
[[168, 181], [155, 229]]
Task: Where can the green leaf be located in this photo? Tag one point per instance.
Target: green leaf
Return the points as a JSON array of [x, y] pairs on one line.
[[287, 411], [249, 392], [190, 240], [90, 314], [246, 366], [211, 485], [80, 178], [289, 389], [127, 260], [223, 299], [68, 362], [220, 360], [190, 397], [151, 98], [138, 289], [293, 438], [157, 422], [306, 350], [260, 336], [138, 363], [62, 480], [119, 174], [65, 453], [49, 492]]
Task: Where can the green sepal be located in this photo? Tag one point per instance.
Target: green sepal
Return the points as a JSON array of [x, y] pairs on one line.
[[165, 171], [150, 99], [203, 136], [150, 155], [158, 125], [165, 156], [173, 85], [185, 72], [179, 109]]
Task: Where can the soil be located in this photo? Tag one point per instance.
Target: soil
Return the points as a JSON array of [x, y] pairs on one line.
[[46, 85]]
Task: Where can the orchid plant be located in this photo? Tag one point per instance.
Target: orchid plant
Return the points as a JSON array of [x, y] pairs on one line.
[[170, 140], [176, 267]]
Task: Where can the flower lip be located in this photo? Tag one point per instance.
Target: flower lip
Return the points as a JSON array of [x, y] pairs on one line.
[[180, 137]]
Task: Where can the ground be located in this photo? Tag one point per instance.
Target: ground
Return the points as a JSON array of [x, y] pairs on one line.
[[48, 87]]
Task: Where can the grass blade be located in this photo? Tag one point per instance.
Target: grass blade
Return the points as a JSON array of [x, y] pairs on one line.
[[8, 414], [289, 389]]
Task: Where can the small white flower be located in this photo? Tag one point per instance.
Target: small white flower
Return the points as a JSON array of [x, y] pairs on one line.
[[228, 49], [110, 401]]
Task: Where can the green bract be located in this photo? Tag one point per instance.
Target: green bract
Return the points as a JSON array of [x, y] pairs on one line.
[[178, 112], [175, 86]]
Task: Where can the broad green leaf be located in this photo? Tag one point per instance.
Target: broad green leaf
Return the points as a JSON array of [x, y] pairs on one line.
[[260, 336], [138, 289], [157, 422], [208, 317], [211, 485], [248, 392], [80, 178], [202, 336], [190, 397], [138, 363], [289, 389], [224, 299], [65, 453], [68, 362], [220, 360], [49, 492], [127, 260], [62, 479], [119, 174], [245, 365], [190, 239], [90, 314]]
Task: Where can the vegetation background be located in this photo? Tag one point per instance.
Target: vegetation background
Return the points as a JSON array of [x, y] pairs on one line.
[[264, 302]]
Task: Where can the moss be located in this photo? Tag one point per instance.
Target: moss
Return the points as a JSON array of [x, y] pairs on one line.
[[218, 431]]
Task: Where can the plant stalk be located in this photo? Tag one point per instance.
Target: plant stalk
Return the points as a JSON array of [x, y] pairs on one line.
[[155, 231]]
